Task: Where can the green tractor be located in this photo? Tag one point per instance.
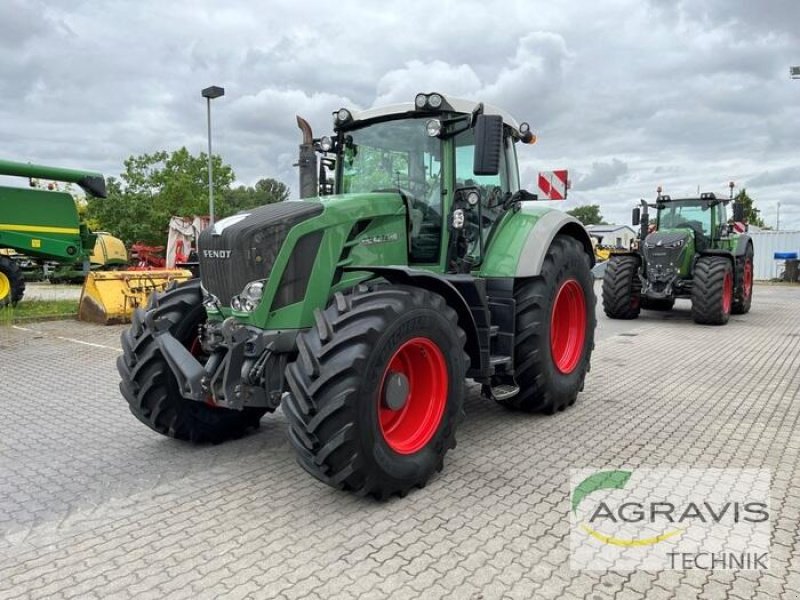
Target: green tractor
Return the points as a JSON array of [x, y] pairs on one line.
[[694, 252], [412, 264], [42, 225]]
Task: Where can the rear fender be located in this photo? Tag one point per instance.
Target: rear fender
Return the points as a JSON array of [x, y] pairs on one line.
[[519, 247], [743, 241]]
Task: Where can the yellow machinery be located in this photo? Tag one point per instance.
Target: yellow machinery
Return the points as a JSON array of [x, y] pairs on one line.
[[109, 251], [601, 253], [110, 297]]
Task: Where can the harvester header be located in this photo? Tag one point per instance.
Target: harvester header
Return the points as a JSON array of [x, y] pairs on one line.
[[90, 182]]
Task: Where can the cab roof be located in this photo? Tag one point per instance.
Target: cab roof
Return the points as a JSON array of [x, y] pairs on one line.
[[453, 104]]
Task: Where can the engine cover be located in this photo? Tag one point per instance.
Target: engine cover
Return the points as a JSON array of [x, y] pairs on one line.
[[243, 247]]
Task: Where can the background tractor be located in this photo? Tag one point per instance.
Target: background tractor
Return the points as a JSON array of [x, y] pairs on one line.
[[412, 264], [694, 252]]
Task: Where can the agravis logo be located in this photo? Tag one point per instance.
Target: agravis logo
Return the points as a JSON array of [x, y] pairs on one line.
[[605, 480], [648, 518]]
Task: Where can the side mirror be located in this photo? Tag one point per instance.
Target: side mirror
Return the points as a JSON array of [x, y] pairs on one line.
[[636, 216], [488, 144], [738, 212]]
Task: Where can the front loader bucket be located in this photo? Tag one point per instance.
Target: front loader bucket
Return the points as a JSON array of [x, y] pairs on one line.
[[110, 297]]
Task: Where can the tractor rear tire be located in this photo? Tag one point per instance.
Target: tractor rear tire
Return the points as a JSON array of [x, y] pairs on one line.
[[349, 426], [664, 304], [152, 390], [622, 288], [712, 290], [555, 325], [743, 297], [12, 283]]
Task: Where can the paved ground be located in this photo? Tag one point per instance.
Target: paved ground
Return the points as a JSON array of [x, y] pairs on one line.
[[93, 504]]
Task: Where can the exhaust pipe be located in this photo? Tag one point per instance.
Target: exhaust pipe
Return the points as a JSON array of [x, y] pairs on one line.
[[307, 161]]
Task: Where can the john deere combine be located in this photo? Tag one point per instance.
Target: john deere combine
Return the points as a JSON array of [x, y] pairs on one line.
[[42, 224], [414, 264], [694, 252]]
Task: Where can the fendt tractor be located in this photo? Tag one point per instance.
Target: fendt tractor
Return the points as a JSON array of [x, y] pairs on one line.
[[42, 224], [694, 252], [412, 263]]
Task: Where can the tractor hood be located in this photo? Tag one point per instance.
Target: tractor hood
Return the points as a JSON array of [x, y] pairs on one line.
[[244, 247], [669, 238]]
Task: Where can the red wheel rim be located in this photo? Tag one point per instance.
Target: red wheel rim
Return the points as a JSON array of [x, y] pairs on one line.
[[409, 428], [568, 326], [748, 278], [727, 293]]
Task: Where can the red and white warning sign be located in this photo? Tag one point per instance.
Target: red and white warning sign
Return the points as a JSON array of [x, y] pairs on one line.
[[554, 184]]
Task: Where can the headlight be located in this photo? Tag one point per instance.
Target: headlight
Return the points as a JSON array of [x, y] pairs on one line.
[[458, 218], [435, 100], [433, 127], [420, 100], [677, 244], [342, 116], [250, 297], [325, 143]]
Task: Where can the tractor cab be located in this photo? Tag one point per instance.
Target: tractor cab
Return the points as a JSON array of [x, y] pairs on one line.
[[452, 162], [704, 218]]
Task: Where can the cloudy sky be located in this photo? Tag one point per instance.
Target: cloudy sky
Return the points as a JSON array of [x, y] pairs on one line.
[[626, 94]]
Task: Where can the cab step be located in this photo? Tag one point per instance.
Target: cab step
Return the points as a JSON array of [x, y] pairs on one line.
[[504, 391]]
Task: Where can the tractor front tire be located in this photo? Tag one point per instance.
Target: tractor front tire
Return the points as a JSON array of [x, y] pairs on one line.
[[622, 288], [555, 325], [743, 296], [663, 304], [377, 390], [152, 390], [12, 283], [712, 290]]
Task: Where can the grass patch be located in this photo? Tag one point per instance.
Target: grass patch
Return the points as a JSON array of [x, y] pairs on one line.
[[38, 310]]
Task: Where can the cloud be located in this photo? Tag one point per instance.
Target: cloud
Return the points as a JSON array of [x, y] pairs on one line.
[[627, 95], [601, 175], [787, 175]]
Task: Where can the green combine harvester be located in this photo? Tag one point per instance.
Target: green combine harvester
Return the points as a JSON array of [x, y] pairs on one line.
[[42, 224], [694, 252], [413, 263]]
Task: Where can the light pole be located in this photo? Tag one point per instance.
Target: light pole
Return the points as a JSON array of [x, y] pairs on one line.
[[209, 94]]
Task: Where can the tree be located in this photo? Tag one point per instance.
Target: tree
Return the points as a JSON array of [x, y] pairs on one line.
[[266, 191], [154, 187], [588, 214], [751, 213]]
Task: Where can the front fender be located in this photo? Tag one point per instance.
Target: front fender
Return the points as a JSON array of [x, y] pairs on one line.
[[521, 242]]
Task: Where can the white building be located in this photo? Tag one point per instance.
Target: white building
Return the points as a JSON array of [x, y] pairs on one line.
[[612, 236]]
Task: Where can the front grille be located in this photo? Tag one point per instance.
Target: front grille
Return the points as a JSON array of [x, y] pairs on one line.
[[662, 263], [243, 248]]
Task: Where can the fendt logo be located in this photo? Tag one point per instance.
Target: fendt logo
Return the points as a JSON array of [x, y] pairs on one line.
[[670, 518], [221, 254]]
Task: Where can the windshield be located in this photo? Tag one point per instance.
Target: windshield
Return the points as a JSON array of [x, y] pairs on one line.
[[399, 156], [685, 214]]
